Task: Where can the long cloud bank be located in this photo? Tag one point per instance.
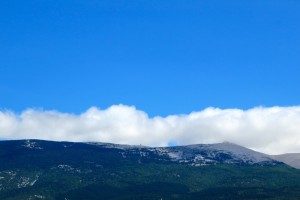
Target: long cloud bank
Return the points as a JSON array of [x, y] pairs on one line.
[[271, 130]]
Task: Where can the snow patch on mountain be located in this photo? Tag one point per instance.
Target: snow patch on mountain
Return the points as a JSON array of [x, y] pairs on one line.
[[31, 145], [209, 154], [239, 152]]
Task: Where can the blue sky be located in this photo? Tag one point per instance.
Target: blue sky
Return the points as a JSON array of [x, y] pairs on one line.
[[164, 57]]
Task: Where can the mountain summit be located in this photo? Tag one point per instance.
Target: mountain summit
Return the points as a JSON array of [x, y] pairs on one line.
[[226, 152]]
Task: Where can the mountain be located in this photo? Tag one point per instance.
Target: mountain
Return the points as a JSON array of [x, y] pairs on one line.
[[35, 169], [291, 159], [229, 153]]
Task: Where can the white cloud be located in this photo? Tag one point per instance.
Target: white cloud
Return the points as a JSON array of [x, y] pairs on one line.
[[270, 130]]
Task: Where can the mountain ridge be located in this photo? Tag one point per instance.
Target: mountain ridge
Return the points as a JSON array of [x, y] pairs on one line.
[[241, 153], [39, 169]]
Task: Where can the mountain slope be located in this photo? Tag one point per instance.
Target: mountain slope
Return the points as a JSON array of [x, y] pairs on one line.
[[33, 169], [205, 154], [291, 159]]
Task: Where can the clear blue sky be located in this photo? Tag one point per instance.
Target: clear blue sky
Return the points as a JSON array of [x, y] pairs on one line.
[[164, 57]]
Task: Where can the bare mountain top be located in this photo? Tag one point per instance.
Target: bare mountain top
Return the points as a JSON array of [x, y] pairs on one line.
[[225, 152]]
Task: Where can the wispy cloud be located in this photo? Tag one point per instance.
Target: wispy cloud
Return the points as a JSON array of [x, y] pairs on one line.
[[271, 130]]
